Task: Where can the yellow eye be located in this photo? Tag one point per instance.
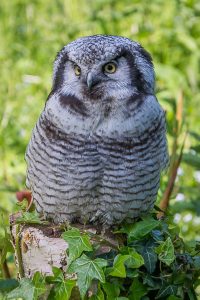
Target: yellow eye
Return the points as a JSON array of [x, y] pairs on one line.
[[77, 70], [110, 68]]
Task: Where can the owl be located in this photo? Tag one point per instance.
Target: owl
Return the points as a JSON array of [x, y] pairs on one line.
[[99, 146]]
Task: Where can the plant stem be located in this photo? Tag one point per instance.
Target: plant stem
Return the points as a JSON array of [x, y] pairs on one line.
[[6, 270], [18, 251], [172, 177]]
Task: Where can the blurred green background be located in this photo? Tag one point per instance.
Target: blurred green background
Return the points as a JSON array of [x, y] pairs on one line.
[[32, 32]]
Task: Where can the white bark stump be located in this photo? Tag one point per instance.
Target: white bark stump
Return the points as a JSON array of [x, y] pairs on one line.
[[39, 247]]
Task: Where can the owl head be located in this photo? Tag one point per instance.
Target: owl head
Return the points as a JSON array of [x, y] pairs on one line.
[[103, 66], [100, 82]]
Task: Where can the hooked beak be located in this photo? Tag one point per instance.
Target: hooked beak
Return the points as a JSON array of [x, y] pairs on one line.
[[92, 79], [89, 81]]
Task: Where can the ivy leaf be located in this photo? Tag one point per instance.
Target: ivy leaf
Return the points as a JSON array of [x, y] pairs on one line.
[[87, 270], [126, 228], [153, 284], [24, 291], [111, 290], [62, 287], [7, 285], [118, 269], [166, 290], [191, 294], [197, 262], [165, 252], [77, 243], [157, 235], [137, 290], [135, 260], [39, 284], [149, 255], [142, 228], [62, 290], [173, 298], [29, 290], [30, 218]]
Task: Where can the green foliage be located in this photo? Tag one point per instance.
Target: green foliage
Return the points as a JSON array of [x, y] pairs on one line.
[[156, 265], [87, 270], [142, 228], [5, 244], [62, 287], [32, 32], [165, 252], [29, 289], [77, 243], [30, 218], [8, 285]]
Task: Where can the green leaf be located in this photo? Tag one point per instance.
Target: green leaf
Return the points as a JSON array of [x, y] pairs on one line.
[[191, 294], [62, 287], [196, 148], [165, 252], [195, 135], [7, 285], [77, 243], [118, 269], [135, 260], [111, 290], [121, 298], [87, 270], [166, 290], [29, 290], [63, 290], [137, 290], [173, 298], [197, 262], [149, 255], [191, 159], [24, 291], [153, 283], [39, 284], [30, 218], [157, 235], [143, 228]]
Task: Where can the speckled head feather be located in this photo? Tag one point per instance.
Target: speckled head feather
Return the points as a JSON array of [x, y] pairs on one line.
[[92, 49]]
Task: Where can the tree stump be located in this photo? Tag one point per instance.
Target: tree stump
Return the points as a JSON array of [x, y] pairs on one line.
[[39, 247]]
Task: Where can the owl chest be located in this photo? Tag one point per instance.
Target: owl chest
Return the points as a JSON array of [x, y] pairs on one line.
[[86, 161]]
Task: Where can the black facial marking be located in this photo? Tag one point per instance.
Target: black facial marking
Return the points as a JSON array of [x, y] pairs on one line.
[[146, 55], [135, 101], [137, 77], [58, 79], [74, 104]]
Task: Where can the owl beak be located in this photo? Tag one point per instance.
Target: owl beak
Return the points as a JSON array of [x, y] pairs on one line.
[[90, 81]]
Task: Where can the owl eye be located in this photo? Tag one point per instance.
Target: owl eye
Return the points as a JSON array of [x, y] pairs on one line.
[[110, 67], [77, 70]]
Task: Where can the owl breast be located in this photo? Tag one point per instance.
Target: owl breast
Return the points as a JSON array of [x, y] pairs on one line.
[[107, 176]]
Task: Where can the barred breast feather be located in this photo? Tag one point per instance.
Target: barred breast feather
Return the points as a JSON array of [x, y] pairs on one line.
[[97, 169]]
